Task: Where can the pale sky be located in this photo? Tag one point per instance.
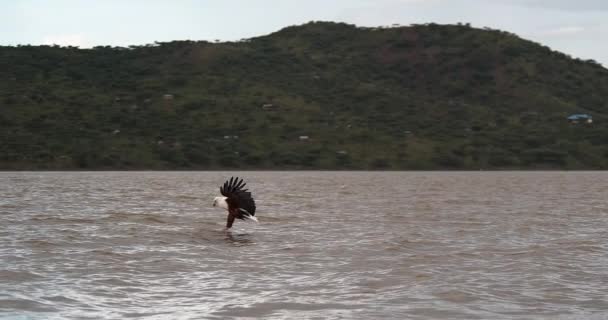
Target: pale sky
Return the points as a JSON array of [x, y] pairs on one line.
[[575, 27]]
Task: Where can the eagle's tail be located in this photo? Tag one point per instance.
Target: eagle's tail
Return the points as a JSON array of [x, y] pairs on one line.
[[251, 218], [247, 216]]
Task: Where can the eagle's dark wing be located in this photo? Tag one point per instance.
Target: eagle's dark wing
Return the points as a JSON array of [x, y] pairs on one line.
[[240, 202]]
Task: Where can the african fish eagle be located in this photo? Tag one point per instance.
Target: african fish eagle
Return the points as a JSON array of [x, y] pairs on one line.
[[236, 200]]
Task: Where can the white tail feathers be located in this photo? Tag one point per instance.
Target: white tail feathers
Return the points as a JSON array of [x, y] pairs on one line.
[[248, 216], [252, 218]]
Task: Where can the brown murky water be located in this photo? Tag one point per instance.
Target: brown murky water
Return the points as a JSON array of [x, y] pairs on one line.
[[330, 245]]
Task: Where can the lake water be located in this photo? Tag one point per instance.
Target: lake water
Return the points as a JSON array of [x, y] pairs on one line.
[[329, 245]]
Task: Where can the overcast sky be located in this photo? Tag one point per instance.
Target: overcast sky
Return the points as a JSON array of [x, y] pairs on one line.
[[576, 27]]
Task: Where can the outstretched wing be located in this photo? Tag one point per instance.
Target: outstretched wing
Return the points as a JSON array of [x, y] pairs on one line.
[[240, 202]]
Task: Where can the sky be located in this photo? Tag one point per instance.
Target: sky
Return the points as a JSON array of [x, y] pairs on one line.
[[576, 27]]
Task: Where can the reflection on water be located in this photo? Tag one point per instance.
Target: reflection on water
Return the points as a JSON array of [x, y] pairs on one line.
[[239, 239], [329, 245]]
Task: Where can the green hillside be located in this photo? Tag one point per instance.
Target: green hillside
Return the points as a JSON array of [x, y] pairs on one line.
[[317, 96]]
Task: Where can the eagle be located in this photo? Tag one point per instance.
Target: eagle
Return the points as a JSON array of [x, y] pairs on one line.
[[236, 200]]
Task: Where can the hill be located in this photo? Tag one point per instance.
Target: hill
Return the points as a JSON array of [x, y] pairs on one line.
[[317, 96]]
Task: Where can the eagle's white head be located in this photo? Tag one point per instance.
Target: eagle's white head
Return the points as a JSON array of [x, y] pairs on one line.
[[220, 202]]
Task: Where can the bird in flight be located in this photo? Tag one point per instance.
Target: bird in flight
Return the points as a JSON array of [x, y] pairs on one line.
[[236, 200]]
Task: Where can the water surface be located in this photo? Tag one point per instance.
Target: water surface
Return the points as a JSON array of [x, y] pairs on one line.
[[330, 245]]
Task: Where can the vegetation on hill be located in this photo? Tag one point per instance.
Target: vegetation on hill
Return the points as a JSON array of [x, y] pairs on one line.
[[317, 96]]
